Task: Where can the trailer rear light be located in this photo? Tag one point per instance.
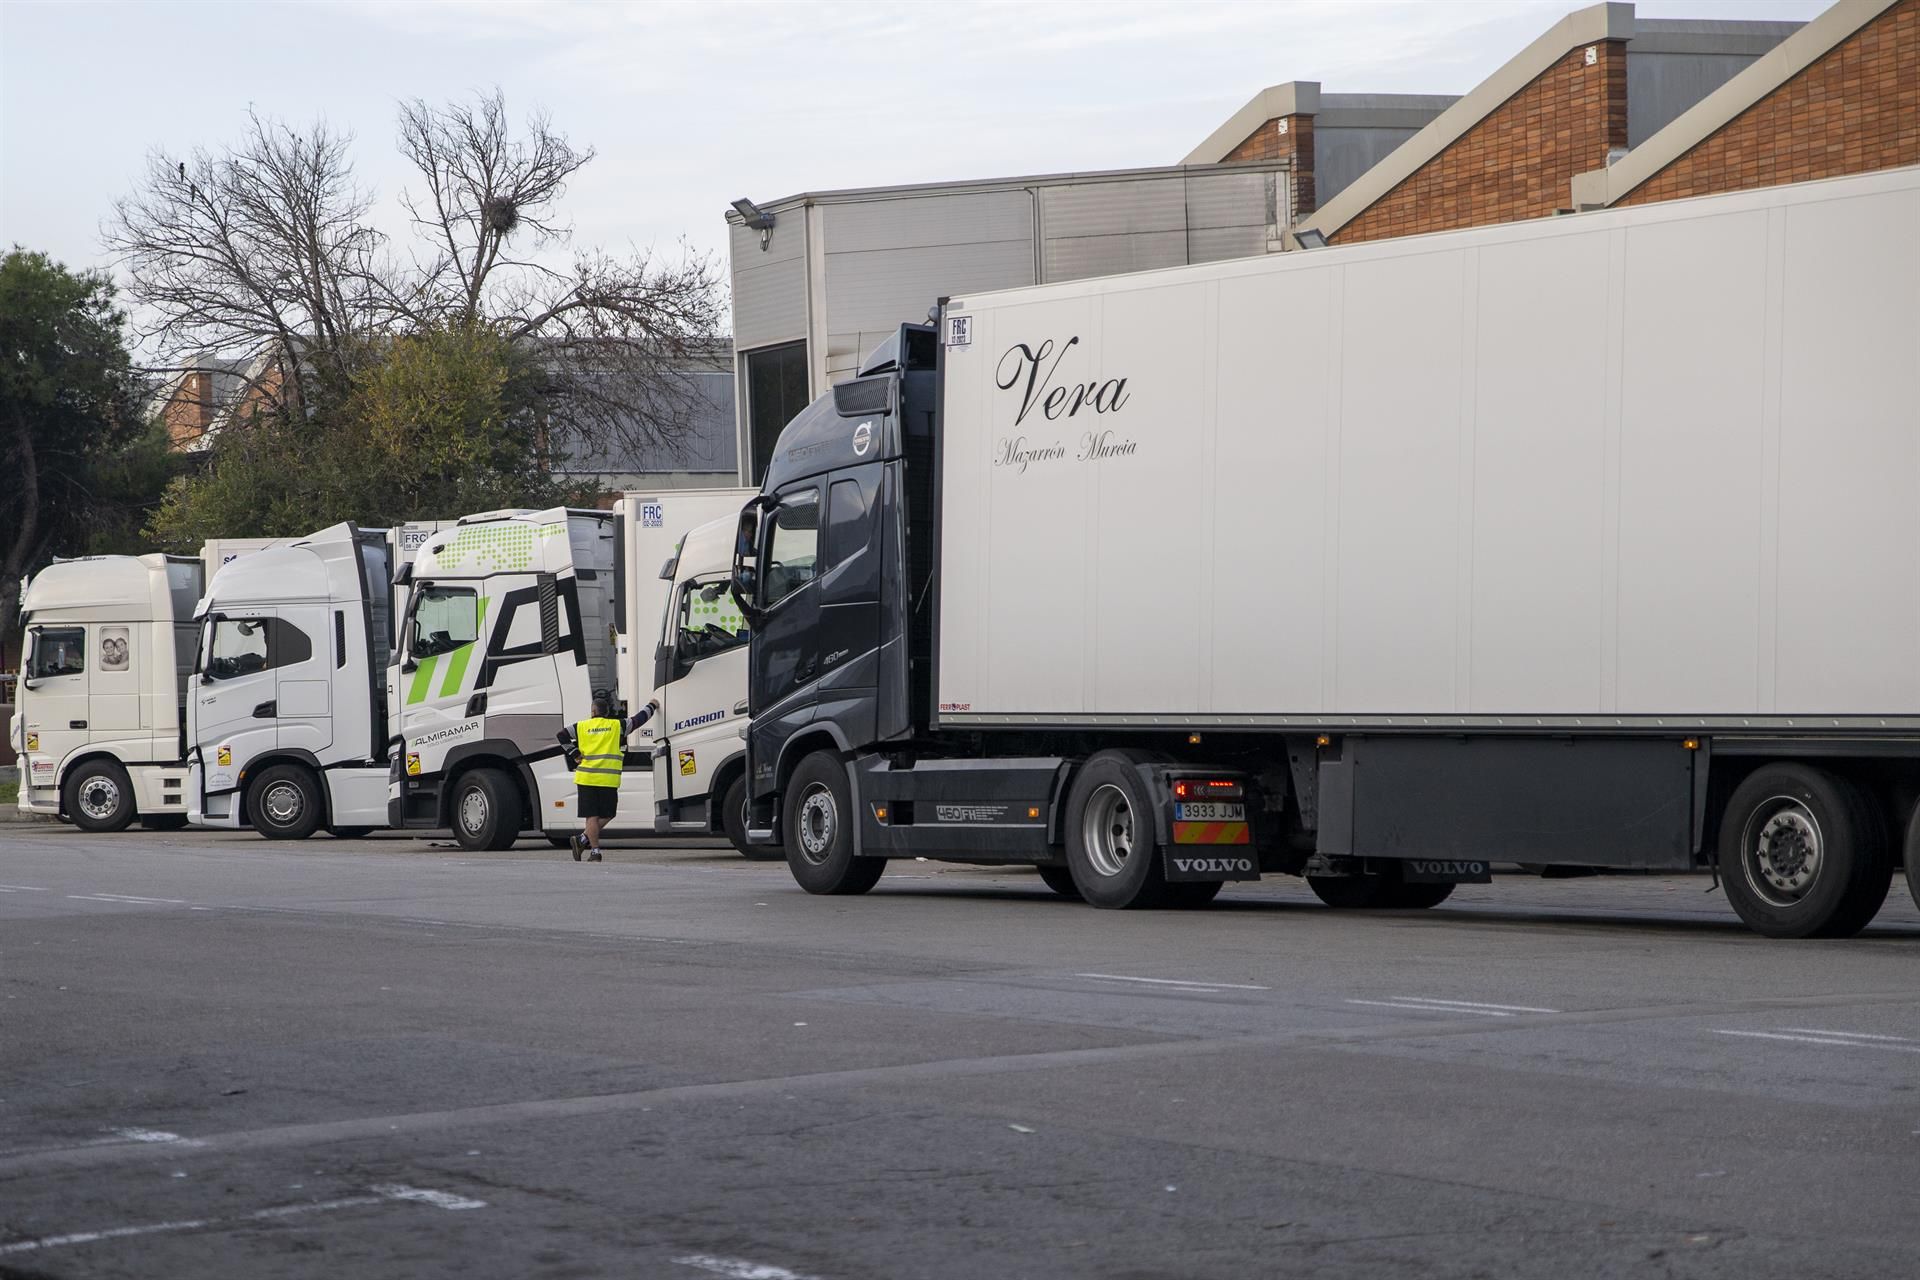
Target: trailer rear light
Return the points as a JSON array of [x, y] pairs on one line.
[[1207, 789]]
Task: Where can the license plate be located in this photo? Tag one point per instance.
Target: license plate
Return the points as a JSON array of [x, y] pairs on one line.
[[1210, 811]]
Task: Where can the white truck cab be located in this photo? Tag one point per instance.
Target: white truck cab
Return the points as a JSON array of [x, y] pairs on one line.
[[287, 705], [700, 677], [99, 728]]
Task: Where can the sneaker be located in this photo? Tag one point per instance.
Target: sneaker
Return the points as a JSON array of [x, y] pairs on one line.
[[573, 843], [593, 855]]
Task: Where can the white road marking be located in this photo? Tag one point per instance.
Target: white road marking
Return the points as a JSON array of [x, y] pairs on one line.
[[151, 1135], [127, 898], [737, 1269], [438, 1199], [1851, 1035], [1428, 1008], [1475, 1004], [191, 1224], [1826, 1038], [24, 888], [1176, 982]]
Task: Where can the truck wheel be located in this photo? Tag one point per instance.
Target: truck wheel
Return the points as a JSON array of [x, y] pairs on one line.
[[486, 811], [1188, 894], [819, 834], [1060, 880], [284, 803], [1418, 897], [1802, 854], [99, 797], [733, 821], [1353, 893], [1110, 836], [1913, 855], [165, 822]]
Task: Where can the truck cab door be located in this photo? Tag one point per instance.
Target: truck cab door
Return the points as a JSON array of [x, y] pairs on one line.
[[439, 671], [787, 631], [53, 699], [234, 707], [703, 690]]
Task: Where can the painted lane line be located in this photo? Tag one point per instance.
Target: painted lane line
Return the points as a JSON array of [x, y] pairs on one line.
[[149, 1135], [438, 1199], [89, 1237], [1475, 1004], [384, 1194], [1428, 1008], [738, 1269], [123, 900], [1851, 1035], [1826, 1040], [134, 897], [1176, 982], [24, 888]]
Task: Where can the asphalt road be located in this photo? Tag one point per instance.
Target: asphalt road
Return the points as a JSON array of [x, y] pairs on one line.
[[224, 1057]]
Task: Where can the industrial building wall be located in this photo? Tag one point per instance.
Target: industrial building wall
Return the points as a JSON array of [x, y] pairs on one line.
[[1855, 109]]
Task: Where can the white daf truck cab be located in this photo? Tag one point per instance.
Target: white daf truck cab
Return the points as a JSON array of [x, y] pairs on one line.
[[514, 619], [699, 675], [99, 728], [287, 705]]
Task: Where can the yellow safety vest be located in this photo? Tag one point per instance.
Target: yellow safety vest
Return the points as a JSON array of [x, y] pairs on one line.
[[601, 753]]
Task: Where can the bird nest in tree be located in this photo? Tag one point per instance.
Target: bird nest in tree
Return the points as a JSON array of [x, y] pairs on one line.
[[500, 214]]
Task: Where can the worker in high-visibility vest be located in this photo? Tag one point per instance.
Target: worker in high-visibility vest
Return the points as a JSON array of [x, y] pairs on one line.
[[597, 748]]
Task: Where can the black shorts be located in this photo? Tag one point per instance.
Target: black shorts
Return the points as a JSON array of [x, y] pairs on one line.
[[599, 802]]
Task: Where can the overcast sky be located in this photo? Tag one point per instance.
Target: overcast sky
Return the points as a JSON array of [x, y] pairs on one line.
[[690, 105]]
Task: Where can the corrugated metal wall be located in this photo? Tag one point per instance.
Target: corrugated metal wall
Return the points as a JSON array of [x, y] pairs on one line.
[[770, 285]]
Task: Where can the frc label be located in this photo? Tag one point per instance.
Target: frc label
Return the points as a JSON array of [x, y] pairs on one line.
[[652, 516]]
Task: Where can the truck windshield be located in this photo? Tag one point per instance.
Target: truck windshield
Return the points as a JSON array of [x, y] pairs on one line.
[[444, 619], [709, 620]]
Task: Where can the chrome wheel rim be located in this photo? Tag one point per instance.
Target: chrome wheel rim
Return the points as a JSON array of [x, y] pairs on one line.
[[1782, 851], [1106, 830], [473, 810], [283, 803], [100, 797], [818, 819]]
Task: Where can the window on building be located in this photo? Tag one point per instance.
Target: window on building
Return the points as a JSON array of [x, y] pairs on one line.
[[58, 651], [776, 383]]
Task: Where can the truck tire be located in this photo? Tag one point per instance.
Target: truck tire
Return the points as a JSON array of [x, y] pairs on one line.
[[99, 797], [1111, 849], [1418, 897], [165, 822], [733, 821], [1352, 893], [1913, 856], [284, 802], [819, 831], [1802, 854], [1060, 880], [1185, 895], [485, 811]]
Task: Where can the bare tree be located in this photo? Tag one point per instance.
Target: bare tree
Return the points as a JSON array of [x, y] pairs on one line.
[[267, 248], [613, 337], [261, 251]]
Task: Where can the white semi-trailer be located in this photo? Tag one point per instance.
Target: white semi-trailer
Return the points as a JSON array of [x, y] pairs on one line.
[[1585, 542], [287, 706], [514, 620]]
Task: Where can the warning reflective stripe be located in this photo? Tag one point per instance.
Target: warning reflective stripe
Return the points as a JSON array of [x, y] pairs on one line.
[[1211, 833], [587, 768]]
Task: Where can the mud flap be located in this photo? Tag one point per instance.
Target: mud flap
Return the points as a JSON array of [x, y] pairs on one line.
[[1188, 863]]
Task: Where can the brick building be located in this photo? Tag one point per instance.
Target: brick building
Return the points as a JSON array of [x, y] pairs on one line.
[[1604, 108]]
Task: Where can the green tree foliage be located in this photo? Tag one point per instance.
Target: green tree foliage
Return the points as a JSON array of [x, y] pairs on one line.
[[443, 423], [80, 466]]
